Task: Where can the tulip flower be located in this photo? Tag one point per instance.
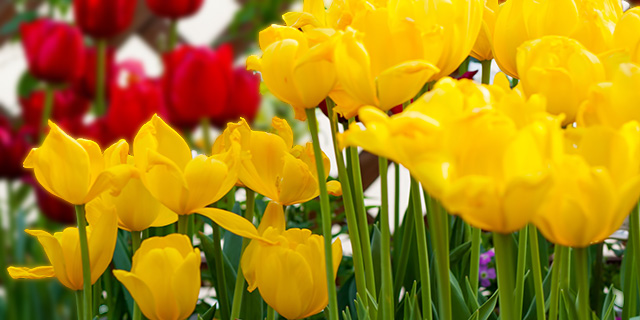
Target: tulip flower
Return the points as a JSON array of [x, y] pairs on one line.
[[272, 166], [338, 16], [180, 182], [68, 110], [165, 277], [381, 64], [561, 70], [63, 251], [86, 84], [74, 170], [596, 182], [483, 48], [244, 98], [627, 33], [14, 146], [175, 9], [196, 83], [103, 19], [55, 51], [293, 68]]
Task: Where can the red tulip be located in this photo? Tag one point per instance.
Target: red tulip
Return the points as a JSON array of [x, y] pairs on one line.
[[86, 84], [104, 18], [243, 100], [174, 9], [196, 83], [54, 50], [68, 110], [51, 206], [13, 149]]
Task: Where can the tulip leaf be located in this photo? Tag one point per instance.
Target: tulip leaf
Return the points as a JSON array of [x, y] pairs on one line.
[[486, 309], [458, 305], [27, 84], [456, 254], [13, 25], [567, 306], [607, 307], [470, 296], [122, 260], [210, 313], [376, 242]]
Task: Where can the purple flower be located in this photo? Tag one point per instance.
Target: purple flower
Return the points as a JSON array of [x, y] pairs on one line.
[[486, 257], [486, 275]]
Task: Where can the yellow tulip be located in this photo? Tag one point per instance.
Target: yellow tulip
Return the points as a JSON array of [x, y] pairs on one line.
[[380, 62], [289, 274], [63, 251], [165, 277], [295, 70], [483, 48], [614, 103], [561, 70], [596, 183], [273, 167], [627, 33], [182, 183], [135, 207], [74, 170]]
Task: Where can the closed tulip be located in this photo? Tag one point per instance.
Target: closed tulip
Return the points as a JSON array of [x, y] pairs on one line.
[[561, 70], [289, 274], [74, 170], [103, 18], [196, 83], [295, 69], [272, 166], [596, 182], [627, 33], [244, 98], [165, 277], [14, 146], [483, 48], [172, 175], [63, 251], [55, 51], [68, 111], [174, 9]]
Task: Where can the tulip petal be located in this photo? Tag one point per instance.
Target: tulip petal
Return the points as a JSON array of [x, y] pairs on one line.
[[204, 177], [166, 182], [254, 63], [186, 284], [233, 222], [477, 200], [31, 273], [102, 243], [112, 179], [273, 217], [158, 136], [96, 160], [402, 82], [354, 70], [261, 172], [56, 256], [334, 187], [282, 129], [139, 291], [298, 183], [165, 217]]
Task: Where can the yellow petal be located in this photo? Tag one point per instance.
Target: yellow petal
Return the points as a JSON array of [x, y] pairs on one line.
[[298, 183], [353, 67], [165, 181], [402, 82], [282, 128], [233, 222], [102, 243], [112, 179], [186, 284], [139, 291], [31, 273], [116, 154], [96, 160], [55, 255], [156, 135], [334, 188], [273, 217], [204, 177]]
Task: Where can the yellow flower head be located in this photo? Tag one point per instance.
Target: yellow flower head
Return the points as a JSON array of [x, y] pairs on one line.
[[627, 33], [63, 251], [180, 182], [74, 170], [272, 166], [483, 48], [596, 183], [165, 277], [561, 70], [290, 274]]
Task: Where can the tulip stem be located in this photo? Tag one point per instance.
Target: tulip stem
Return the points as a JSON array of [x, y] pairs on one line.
[[79, 307], [385, 247], [100, 104], [348, 200], [396, 197], [46, 111], [221, 290], [172, 39], [634, 231], [183, 224], [239, 286], [486, 71], [537, 272], [504, 262], [474, 267], [325, 209], [206, 136], [135, 244], [86, 267], [558, 252], [520, 269], [423, 254], [361, 215], [582, 272], [439, 227], [271, 313]]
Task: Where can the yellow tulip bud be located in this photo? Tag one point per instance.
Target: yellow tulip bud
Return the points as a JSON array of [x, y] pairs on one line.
[[273, 167], [74, 170], [182, 183], [295, 71], [63, 251], [165, 277], [483, 48], [627, 33], [561, 70], [290, 274], [596, 183]]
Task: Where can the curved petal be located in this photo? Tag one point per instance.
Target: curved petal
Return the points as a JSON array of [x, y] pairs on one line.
[[205, 177], [354, 70], [112, 179], [273, 217], [233, 222], [31, 273], [54, 252], [402, 82], [156, 135], [186, 284], [139, 291], [102, 243], [165, 181]]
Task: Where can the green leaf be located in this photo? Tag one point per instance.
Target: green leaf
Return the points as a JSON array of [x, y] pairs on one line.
[[459, 307], [607, 306], [488, 307], [210, 313], [122, 260], [376, 242], [569, 305], [13, 25], [456, 254], [27, 84]]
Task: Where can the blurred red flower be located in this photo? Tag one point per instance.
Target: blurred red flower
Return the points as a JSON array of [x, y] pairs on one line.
[[86, 83], [243, 100], [68, 111], [174, 9], [196, 83], [55, 51], [14, 147], [51, 206], [104, 18]]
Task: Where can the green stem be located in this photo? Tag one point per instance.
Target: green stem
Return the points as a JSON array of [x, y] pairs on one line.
[[135, 244], [629, 289], [385, 247], [438, 226], [79, 306], [271, 314], [521, 267], [101, 65], [183, 224], [396, 197], [46, 111], [558, 253], [172, 39], [504, 262], [401, 271], [221, 290], [537, 272], [347, 199], [325, 210], [423, 254], [206, 136], [363, 223], [86, 267], [582, 273], [239, 286], [486, 71], [634, 231], [474, 268]]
